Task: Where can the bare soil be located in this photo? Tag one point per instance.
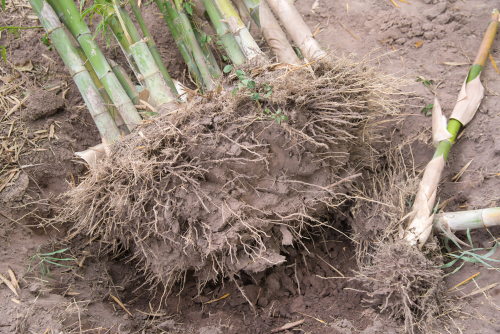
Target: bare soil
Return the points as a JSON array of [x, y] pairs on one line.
[[435, 40]]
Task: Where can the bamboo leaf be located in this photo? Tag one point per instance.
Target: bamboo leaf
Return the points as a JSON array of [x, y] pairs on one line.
[[56, 252]]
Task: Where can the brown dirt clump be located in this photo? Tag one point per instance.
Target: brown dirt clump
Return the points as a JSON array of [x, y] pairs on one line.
[[202, 189], [42, 104]]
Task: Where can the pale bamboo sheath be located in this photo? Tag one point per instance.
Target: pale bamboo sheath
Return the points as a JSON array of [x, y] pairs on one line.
[[464, 220], [275, 37], [97, 107], [297, 29]]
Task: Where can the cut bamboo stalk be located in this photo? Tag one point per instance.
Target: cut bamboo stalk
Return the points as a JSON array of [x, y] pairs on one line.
[[210, 60], [70, 16], [464, 220], [102, 91], [229, 42], [274, 35], [468, 101], [186, 54], [97, 108], [297, 29], [184, 26], [125, 81], [152, 47], [240, 32]]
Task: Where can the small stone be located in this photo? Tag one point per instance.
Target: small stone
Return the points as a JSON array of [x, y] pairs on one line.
[[400, 41], [436, 10], [167, 325], [263, 302], [429, 35]]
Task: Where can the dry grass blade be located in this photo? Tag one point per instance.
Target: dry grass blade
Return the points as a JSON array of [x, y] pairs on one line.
[[338, 272], [348, 30], [121, 304], [310, 316], [462, 171], [9, 284], [13, 279], [494, 63], [288, 326], [216, 300], [465, 281], [482, 290]]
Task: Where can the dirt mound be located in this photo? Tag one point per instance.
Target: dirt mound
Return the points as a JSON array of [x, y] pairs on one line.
[[221, 185]]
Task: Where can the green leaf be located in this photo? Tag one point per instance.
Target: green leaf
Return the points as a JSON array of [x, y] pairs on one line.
[[239, 73], [284, 117], [255, 96], [240, 85], [58, 264], [234, 91], [224, 57], [4, 54], [45, 40], [56, 252], [278, 112], [251, 84], [188, 7], [3, 5], [228, 68], [267, 94], [267, 111]]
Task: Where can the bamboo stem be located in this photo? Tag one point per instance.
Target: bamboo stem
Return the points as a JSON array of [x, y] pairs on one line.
[[152, 47], [102, 91], [125, 81], [108, 13], [184, 26], [70, 16], [159, 91], [210, 60], [186, 55], [97, 107], [421, 224], [297, 29], [253, 8], [274, 35], [464, 220], [240, 32], [231, 46]]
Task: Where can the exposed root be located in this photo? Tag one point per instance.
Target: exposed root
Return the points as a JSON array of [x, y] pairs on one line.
[[208, 188]]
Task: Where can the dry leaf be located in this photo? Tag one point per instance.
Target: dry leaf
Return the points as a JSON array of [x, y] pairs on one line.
[[452, 63], [7, 79], [419, 44], [315, 5], [26, 67]]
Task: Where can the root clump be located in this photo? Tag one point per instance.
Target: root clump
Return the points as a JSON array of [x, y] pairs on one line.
[[219, 186]]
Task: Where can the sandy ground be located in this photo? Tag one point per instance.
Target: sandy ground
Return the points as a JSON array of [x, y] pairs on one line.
[[433, 40]]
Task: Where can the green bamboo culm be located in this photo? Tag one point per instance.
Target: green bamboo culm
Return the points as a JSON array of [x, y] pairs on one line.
[[152, 47], [162, 96], [253, 8], [210, 60], [230, 45], [186, 55], [125, 81], [108, 13], [69, 15], [183, 24], [97, 107], [102, 91], [454, 125]]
